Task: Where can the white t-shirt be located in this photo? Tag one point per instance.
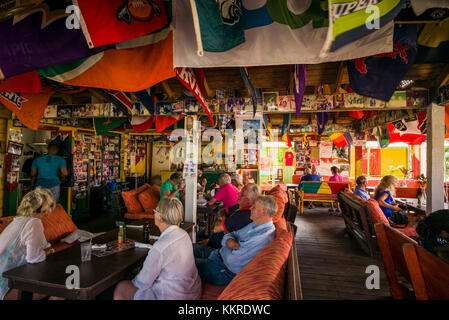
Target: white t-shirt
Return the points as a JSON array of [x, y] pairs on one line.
[[32, 237], [169, 271]]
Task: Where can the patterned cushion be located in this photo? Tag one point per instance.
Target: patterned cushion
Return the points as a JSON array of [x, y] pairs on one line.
[[263, 277], [139, 215], [281, 198], [57, 224], [376, 214], [409, 231], [210, 291], [131, 201], [148, 199], [281, 224], [4, 222]]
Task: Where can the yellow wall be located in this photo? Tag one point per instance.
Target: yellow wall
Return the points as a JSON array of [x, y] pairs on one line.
[[392, 159]]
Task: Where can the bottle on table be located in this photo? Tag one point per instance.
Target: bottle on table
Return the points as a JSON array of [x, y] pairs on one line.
[[121, 234]]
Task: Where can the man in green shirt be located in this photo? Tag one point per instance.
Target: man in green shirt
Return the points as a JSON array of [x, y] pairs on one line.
[[171, 188]]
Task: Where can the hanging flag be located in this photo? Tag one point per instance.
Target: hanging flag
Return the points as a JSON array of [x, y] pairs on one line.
[[40, 38], [409, 138], [128, 70], [194, 81], [433, 43], [379, 76], [147, 99], [352, 20], [294, 32], [29, 82], [305, 142], [140, 124], [420, 6], [356, 114], [221, 24], [112, 21], [120, 99], [348, 137], [103, 125], [299, 86], [285, 127], [249, 85], [268, 127], [28, 107], [339, 140], [321, 120], [163, 122], [383, 136], [422, 122]]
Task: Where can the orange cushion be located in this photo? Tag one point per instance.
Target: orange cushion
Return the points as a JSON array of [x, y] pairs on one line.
[[263, 277], [139, 215], [157, 188], [376, 214], [148, 200], [4, 222], [281, 198], [57, 224], [281, 224], [210, 291], [408, 231], [131, 201]]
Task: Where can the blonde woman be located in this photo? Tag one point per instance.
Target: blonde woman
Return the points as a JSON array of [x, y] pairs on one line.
[[169, 271], [384, 194], [23, 240]]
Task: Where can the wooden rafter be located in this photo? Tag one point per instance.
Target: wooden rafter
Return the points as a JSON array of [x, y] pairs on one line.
[[209, 93], [98, 96]]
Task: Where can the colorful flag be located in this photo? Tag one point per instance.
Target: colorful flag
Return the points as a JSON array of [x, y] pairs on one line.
[[249, 85], [28, 107], [285, 127], [409, 138], [292, 37], [147, 98], [299, 86], [383, 136], [29, 82], [194, 81], [140, 124], [379, 76], [267, 124], [103, 125], [39, 38], [120, 99], [221, 24], [433, 43], [127, 70], [353, 20], [112, 21], [224, 120], [163, 122], [339, 140]]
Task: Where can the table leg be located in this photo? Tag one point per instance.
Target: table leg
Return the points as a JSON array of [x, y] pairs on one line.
[[25, 295]]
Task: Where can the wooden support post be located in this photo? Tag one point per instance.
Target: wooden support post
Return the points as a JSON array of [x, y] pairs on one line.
[[358, 161], [435, 158]]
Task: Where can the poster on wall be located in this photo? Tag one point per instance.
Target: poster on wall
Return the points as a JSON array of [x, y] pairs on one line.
[[326, 148], [341, 153], [161, 158]]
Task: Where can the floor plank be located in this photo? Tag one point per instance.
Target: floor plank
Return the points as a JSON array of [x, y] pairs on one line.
[[332, 265]]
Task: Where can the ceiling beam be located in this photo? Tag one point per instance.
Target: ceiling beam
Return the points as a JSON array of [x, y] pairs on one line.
[[96, 95]]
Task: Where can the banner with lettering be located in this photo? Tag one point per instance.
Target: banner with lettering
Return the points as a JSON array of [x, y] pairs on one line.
[[350, 21], [194, 81], [276, 32]]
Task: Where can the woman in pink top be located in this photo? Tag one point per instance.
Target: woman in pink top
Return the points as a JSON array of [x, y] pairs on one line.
[[335, 178], [228, 193]]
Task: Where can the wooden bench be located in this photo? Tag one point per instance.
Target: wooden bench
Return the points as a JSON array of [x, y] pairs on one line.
[[390, 243], [320, 191], [429, 274], [358, 222], [410, 193], [291, 207]]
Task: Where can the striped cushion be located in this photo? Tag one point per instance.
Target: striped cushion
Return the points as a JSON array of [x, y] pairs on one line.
[[280, 196], [131, 201], [57, 224], [4, 222], [210, 291], [148, 199], [139, 215], [376, 214], [263, 277], [281, 224]]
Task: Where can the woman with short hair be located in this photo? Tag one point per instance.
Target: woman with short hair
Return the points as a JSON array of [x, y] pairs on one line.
[[169, 271], [23, 240]]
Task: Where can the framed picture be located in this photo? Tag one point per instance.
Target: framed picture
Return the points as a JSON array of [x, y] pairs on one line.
[[270, 100]]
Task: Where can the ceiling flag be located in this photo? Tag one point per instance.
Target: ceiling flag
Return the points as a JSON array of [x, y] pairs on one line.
[[299, 86]]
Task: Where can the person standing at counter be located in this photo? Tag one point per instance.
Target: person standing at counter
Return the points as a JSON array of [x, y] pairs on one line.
[[48, 170]]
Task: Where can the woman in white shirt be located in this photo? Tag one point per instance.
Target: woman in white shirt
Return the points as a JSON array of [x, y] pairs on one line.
[[169, 271], [23, 240]]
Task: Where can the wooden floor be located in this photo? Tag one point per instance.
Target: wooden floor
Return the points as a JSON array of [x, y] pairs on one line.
[[331, 264]]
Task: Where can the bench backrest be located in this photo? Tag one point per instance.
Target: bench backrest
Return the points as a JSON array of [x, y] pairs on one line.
[[390, 243], [358, 222], [291, 207], [411, 193], [323, 187], [429, 274]]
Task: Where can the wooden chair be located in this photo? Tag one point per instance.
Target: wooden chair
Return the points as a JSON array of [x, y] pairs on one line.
[[390, 243], [429, 274]]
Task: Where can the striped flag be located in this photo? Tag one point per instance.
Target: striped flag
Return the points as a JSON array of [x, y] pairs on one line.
[[140, 124], [103, 125], [339, 140]]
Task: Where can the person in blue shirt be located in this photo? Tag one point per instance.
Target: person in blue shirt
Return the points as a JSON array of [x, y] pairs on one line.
[[219, 266], [48, 170], [384, 195], [360, 189], [309, 175]]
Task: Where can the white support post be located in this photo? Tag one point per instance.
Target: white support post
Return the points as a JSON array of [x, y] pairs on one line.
[[192, 157], [435, 158]]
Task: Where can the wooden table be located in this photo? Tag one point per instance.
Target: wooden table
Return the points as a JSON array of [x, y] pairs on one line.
[[49, 277], [412, 205]]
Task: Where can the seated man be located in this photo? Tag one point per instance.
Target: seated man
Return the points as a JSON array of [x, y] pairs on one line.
[[219, 266], [360, 191], [309, 176], [236, 217]]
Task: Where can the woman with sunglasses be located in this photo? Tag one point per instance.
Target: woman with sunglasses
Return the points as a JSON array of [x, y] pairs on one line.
[[23, 240], [169, 271]]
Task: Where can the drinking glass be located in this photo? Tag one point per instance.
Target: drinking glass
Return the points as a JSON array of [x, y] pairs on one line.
[[86, 251]]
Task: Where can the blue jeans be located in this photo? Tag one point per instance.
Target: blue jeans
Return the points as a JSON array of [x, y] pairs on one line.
[[210, 266], [56, 190]]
